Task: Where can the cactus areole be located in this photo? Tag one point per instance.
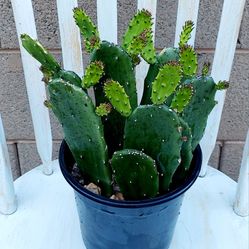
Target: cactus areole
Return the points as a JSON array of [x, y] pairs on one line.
[[138, 159]]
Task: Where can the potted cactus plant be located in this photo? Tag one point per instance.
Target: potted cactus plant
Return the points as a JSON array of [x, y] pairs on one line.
[[129, 164]]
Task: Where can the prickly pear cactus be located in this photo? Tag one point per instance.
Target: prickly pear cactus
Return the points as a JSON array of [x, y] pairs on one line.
[[167, 55], [93, 74], [88, 29], [145, 130], [118, 67], [103, 109], [201, 104], [118, 97], [83, 132], [182, 98], [186, 33], [136, 174], [168, 78], [188, 61], [138, 38]]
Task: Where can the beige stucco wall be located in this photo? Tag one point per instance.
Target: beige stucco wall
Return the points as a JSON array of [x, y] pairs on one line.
[[13, 98]]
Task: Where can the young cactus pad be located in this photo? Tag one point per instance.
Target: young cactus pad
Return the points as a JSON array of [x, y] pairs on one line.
[[188, 61], [103, 109], [186, 33], [166, 82], [136, 174], [138, 38], [83, 132], [182, 97], [155, 130], [88, 29], [93, 73], [167, 55], [118, 98], [40, 53]]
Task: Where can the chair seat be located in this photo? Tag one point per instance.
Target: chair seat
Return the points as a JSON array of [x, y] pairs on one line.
[[47, 218]]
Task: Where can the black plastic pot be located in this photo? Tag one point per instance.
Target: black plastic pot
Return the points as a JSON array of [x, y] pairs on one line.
[[112, 224]]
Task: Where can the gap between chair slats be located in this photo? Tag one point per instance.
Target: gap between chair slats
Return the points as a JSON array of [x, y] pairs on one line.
[[222, 65], [70, 37], [25, 23]]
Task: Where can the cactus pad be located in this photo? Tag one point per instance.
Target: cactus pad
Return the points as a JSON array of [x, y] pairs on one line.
[[40, 53], [199, 107], [69, 76], [186, 33], [93, 73], [166, 55], [188, 61], [155, 130], [103, 109], [83, 132], [88, 29], [118, 97], [138, 38], [222, 85], [136, 174], [166, 82], [205, 69], [182, 97]]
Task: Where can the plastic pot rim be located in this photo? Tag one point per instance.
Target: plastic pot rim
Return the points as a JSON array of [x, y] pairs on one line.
[[134, 203]]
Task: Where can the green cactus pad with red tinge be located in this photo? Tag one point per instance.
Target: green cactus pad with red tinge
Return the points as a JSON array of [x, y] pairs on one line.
[[93, 73], [103, 109], [138, 38], [88, 29], [166, 82], [136, 174]]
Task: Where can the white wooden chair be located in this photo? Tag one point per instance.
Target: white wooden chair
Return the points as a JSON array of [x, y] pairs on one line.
[[214, 212]]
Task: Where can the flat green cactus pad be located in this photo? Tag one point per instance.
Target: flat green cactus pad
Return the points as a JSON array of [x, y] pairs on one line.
[[222, 85], [156, 130], [136, 174], [166, 55], [94, 71], [83, 132], [182, 97], [118, 97], [195, 114], [103, 109], [40, 53], [188, 61], [166, 82], [186, 33], [88, 29], [138, 38]]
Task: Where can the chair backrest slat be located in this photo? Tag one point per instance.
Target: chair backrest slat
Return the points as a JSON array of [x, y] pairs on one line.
[[25, 23], [70, 37], [187, 10], [241, 203], [222, 65], [107, 20], [142, 68], [8, 202]]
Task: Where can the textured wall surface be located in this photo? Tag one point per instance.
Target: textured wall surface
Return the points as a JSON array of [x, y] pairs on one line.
[[14, 105]]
